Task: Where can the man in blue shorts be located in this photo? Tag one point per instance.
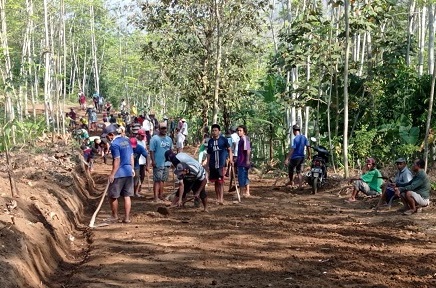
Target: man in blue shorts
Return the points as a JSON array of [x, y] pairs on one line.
[[295, 157], [159, 144], [121, 176], [218, 148]]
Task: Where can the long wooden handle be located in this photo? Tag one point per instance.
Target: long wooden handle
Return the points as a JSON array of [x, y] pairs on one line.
[[236, 183], [91, 223]]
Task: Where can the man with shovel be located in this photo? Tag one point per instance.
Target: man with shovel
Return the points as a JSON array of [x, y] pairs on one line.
[[192, 176], [121, 176]]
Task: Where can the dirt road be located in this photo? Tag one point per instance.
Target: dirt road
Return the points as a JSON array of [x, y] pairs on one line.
[[277, 238]]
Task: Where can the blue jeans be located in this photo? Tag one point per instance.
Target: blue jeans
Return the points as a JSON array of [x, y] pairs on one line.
[[243, 176]]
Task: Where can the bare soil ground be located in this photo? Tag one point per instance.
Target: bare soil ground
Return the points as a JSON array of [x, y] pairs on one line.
[[277, 238]]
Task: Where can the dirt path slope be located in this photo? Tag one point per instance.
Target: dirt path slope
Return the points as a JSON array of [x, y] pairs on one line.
[[278, 238]]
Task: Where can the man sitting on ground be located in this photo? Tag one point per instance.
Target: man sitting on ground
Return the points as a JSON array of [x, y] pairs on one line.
[[416, 193], [369, 183], [402, 177]]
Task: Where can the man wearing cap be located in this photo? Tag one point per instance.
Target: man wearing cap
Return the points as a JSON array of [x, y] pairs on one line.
[[159, 144], [402, 176], [138, 151], [416, 193], [369, 183], [295, 157], [121, 176], [192, 177]]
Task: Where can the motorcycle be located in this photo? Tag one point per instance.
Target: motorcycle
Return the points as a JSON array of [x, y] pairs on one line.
[[317, 175]]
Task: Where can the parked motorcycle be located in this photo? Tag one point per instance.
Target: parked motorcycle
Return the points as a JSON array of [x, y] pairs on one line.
[[317, 175]]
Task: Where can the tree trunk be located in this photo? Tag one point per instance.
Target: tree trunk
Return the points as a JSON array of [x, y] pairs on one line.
[[410, 30], [94, 50], [429, 113], [430, 38], [217, 62], [6, 68], [347, 51], [421, 41]]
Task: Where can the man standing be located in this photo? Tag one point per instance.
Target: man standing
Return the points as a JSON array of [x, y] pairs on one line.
[[235, 140], [154, 123], [369, 183], [138, 151], [243, 160], [191, 176], [159, 144], [143, 161], [82, 100], [184, 130], [403, 176], [148, 128], [121, 176], [218, 149], [417, 191], [295, 157]]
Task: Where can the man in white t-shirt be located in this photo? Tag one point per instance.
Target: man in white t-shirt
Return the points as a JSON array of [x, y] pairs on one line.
[[235, 140], [148, 128], [184, 129], [142, 160]]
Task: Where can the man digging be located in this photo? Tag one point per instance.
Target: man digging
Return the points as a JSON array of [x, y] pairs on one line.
[[192, 176]]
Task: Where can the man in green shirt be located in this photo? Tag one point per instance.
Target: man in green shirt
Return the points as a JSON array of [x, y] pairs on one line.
[[369, 183], [416, 193]]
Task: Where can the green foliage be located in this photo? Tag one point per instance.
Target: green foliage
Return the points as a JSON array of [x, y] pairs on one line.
[[26, 132], [362, 142]]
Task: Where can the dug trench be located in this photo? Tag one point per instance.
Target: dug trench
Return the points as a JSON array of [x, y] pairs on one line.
[[277, 238]]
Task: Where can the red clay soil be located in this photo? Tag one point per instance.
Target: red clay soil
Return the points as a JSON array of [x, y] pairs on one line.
[[277, 238]]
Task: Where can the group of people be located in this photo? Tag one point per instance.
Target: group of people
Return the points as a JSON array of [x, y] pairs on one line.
[[128, 173], [412, 187]]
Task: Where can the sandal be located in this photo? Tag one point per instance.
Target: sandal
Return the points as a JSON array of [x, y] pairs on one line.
[[409, 212], [111, 219], [126, 221]]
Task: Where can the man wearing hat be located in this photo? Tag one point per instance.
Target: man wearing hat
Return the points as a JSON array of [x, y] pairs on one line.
[[184, 129], [159, 144], [369, 183], [402, 177], [192, 177], [295, 157], [121, 176]]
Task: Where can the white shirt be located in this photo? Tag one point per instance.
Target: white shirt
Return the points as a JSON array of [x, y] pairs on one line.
[[235, 140], [146, 125], [142, 160], [184, 129]]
